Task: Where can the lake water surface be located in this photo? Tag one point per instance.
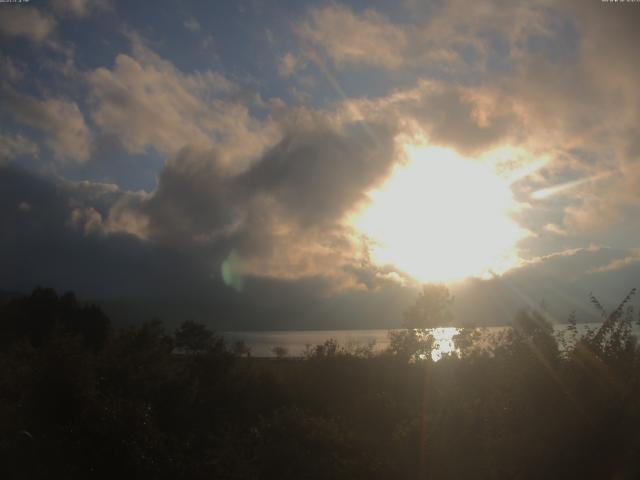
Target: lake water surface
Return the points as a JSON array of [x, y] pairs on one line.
[[297, 342]]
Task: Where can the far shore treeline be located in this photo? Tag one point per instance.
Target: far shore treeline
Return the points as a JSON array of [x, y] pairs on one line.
[[80, 398]]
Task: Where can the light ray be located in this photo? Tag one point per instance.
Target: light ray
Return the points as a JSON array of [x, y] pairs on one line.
[[563, 187]]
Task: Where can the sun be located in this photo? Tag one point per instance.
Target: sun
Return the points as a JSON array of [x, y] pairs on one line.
[[441, 217]]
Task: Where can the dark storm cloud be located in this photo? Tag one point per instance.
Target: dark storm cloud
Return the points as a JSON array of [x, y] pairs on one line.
[[193, 197], [40, 244], [317, 175], [307, 181], [109, 244]]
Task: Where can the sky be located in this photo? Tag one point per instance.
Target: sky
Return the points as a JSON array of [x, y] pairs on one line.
[[308, 165]]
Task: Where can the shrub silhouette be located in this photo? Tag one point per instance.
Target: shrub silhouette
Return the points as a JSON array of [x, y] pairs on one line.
[[193, 337], [519, 404], [38, 316]]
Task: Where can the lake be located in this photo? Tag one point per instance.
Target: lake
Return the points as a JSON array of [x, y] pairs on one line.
[[298, 341]]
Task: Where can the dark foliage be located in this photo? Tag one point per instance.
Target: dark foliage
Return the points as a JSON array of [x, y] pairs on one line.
[[36, 318], [80, 400], [431, 308]]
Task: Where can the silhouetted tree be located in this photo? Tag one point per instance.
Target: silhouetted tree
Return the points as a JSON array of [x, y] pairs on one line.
[[239, 348], [280, 352], [411, 344], [193, 337], [38, 316], [431, 308]]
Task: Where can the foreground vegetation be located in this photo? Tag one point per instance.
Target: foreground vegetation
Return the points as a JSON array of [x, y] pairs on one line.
[[80, 399]]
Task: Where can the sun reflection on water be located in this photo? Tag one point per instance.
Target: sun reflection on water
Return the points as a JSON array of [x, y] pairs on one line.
[[443, 342]]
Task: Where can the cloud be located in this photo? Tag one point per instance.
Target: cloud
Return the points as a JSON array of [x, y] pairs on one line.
[[79, 8], [9, 70], [471, 120], [274, 183], [43, 246], [276, 210], [619, 263], [555, 229], [26, 21], [146, 102], [367, 39], [192, 24], [192, 198], [607, 204], [288, 64], [59, 241], [561, 281], [451, 36], [462, 118], [537, 62], [276, 190], [278, 214], [86, 219], [300, 171], [571, 252], [284, 211], [67, 135], [583, 108], [12, 146], [557, 79]]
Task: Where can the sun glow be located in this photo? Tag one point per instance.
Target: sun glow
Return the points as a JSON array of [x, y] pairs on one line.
[[441, 218]]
